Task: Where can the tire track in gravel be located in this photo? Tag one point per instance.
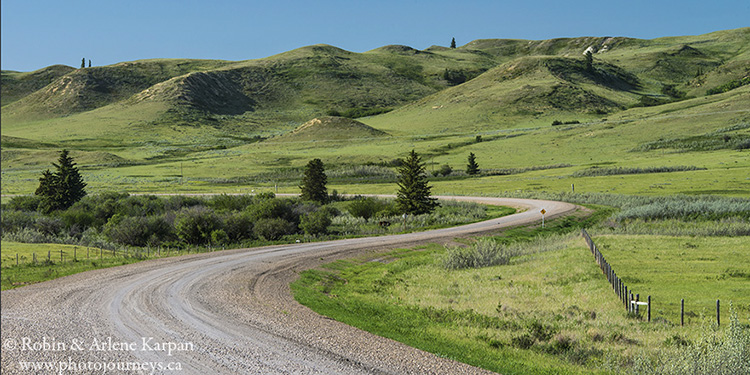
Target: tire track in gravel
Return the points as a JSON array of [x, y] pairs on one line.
[[234, 307]]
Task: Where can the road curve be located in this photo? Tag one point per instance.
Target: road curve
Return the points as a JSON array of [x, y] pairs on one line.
[[228, 312]]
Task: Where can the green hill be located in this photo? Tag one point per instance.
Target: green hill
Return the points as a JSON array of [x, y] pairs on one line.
[[331, 128], [16, 85], [236, 119]]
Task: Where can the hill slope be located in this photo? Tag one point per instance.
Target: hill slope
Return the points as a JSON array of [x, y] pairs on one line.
[[151, 114], [331, 128]]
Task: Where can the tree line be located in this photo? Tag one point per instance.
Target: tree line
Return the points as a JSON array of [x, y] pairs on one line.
[[60, 211]]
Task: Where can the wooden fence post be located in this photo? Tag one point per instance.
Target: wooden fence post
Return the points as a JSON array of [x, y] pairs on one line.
[[75, 251], [649, 309], [625, 299], [16, 258], [682, 312], [61, 256], [49, 255], [637, 299], [718, 319]]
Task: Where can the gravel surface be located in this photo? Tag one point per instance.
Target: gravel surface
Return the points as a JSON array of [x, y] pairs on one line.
[[227, 312]]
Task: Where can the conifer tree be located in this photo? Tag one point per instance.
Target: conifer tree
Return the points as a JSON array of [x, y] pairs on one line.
[[413, 196], [589, 61], [64, 187], [314, 182], [472, 167], [83, 63], [453, 43]]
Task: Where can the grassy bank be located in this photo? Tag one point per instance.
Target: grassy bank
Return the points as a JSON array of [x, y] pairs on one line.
[[549, 310]]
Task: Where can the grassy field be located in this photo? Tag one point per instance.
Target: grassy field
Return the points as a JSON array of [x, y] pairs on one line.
[[698, 269], [139, 136], [544, 313], [74, 259]]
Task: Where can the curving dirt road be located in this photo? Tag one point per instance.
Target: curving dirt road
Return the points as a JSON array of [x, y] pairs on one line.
[[228, 312]]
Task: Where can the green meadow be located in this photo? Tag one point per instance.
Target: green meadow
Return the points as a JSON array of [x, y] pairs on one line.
[[549, 311]]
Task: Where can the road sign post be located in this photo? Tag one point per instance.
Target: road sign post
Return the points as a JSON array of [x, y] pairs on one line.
[[543, 211]]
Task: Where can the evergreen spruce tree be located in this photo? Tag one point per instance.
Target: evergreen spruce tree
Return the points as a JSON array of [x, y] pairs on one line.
[[314, 182], [589, 61], [453, 43], [83, 63], [63, 188], [413, 196], [472, 167]]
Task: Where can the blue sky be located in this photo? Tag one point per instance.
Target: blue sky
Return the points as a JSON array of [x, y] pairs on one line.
[[39, 33]]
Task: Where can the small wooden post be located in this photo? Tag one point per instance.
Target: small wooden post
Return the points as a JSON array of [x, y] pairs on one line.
[[637, 299], [682, 312], [649, 309], [16, 258], [61, 256], [75, 253], [718, 319], [49, 255], [625, 299]]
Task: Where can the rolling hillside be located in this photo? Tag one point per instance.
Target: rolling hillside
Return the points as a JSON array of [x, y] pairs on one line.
[[227, 118]]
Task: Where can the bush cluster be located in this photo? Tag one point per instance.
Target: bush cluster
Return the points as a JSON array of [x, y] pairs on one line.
[[115, 219]]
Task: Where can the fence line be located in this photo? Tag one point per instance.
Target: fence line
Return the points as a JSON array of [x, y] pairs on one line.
[[145, 253], [631, 302]]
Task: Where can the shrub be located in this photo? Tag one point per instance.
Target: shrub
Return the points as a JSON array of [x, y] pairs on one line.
[[484, 253], [273, 229], [365, 208], [25, 203], [316, 223], [194, 225], [141, 205], [48, 225], [138, 230], [273, 208], [14, 221], [75, 216], [238, 226], [225, 202], [219, 237], [446, 170]]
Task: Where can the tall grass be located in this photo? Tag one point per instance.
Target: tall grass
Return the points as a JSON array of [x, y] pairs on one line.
[[673, 227], [686, 207], [716, 352], [488, 252], [598, 171]]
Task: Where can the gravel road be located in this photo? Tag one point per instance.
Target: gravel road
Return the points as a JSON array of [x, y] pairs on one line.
[[227, 312]]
